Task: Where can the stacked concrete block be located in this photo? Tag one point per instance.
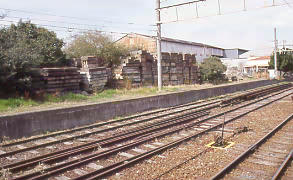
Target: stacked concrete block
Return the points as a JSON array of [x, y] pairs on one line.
[[53, 80]]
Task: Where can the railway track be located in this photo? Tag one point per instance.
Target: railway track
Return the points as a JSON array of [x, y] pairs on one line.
[[85, 130], [140, 138], [268, 158], [88, 134]]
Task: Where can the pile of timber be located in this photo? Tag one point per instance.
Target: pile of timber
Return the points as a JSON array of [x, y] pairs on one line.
[[166, 62], [147, 74], [53, 80], [94, 75], [138, 68], [132, 71], [88, 62], [141, 68], [172, 69], [94, 79]]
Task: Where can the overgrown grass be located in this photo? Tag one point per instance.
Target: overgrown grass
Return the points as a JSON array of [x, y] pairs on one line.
[[12, 103], [51, 98], [108, 94]]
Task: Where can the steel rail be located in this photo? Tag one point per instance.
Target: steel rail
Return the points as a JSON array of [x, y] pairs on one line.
[[37, 159], [250, 150], [120, 120], [254, 93], [66, 152], [78, 162], [106, 141], [107, 129], [283, 166], [94, 158], [103, 123], [128, 162]]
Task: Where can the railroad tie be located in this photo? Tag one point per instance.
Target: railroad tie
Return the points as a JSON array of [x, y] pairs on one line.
[[68, 143], [62, 178], [150, 146], [139, 150], [95, 166], [2, 152], [79, 172], [21, 147], [158, 143], [12, 158], [126, 154]]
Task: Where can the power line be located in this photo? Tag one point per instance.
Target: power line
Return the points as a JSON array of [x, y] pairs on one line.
[[72, 28], [181, 4], [71, 17], [234, 12], [65, 22], [287, 3]]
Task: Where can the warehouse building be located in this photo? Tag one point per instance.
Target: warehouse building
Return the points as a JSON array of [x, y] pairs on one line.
[[169, 45]]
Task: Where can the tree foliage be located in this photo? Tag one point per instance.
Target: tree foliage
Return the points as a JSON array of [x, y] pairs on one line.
[[26, 45], [284, 61], [23, 46], [95, 44], [212, 70]]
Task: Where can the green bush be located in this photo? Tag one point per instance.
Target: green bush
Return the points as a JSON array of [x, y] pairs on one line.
[[212, 70]]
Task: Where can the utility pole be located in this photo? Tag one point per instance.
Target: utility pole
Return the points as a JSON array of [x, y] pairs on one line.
[[159, 55], [275, 52]]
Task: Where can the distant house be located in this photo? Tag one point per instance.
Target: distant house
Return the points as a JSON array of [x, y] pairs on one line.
[[201, 51], [257, 64]]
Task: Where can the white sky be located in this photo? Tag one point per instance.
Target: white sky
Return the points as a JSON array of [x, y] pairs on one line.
[[252, 29]]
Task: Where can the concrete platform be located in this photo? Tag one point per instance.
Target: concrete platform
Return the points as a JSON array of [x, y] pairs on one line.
[[33, 123]]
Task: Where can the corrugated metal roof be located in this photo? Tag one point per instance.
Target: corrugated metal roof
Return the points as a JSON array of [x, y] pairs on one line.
[[260, 58], [182, 42], [179, 41]]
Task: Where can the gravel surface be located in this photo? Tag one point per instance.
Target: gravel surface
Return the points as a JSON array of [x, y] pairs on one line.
[[266, 160], [206, 165], [195, 146]]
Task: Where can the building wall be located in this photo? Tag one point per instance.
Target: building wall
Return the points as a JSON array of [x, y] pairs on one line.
[[139, 42], [200, 52], [149, 44], [264, 62], [231, 53]]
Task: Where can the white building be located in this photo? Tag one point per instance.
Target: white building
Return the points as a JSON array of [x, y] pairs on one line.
[[170, 45], [248, 66], [257, 64]]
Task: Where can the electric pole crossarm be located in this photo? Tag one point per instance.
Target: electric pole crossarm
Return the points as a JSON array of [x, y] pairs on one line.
[[181, 4]]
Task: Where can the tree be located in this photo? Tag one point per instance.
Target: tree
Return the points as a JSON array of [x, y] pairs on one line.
[[212, 69], [96, 44], [24, 46], [285, 61]]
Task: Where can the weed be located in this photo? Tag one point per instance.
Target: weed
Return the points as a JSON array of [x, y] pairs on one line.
[[11, 103]]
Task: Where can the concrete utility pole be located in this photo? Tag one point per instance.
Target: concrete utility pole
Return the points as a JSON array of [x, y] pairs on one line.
[[275, 52], [159, 55]]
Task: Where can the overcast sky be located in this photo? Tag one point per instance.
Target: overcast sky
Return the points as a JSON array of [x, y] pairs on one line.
[[234, 28]]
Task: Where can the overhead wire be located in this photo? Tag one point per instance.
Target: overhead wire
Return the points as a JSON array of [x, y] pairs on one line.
[[233, 12], [72, 17], [73, 28], [70, 23]]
